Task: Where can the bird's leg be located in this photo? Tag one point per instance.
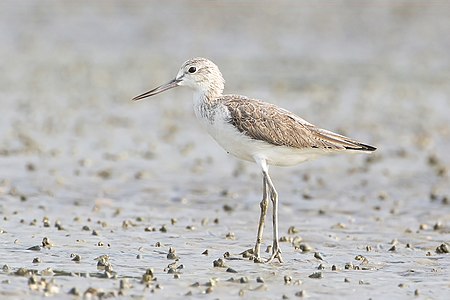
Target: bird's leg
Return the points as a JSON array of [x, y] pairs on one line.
[[276, 251], [263, 205]]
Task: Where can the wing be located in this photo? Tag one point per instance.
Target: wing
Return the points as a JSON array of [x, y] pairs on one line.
[[272, 124]]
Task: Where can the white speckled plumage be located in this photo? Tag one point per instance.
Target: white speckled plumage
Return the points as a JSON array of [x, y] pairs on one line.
[[255, 131]]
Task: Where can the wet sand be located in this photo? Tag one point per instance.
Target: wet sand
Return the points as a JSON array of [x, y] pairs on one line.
[[103, 197]]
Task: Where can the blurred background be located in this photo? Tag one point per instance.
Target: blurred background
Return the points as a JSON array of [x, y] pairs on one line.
[[376, 71]]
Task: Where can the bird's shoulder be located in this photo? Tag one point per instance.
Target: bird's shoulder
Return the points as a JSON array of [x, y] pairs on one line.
[[267, 122], [270, 123]]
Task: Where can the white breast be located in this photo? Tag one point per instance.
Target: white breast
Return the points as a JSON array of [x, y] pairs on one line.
[[216, 122]]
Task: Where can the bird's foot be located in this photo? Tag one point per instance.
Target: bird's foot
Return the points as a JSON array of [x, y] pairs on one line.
[[276, 253]]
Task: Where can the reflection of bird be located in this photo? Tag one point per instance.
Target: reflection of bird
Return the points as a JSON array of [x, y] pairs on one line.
[[255, 131]]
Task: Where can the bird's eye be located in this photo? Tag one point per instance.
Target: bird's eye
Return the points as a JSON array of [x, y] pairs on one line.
[[192, 70]]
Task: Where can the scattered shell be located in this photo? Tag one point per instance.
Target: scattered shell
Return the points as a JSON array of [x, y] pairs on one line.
[[316, 275], [243, 280], [103, 262], [205, 252], [287, 279], [46, 243], [259, 279], [443, 248], [23, 272], [285, 239], [74, 291], [75, 257], [350, 266], [247, 253], [148, 276], [362, 259], [230, 236], [438, 226], [300, 293], [172, 254], [47, 272], [304, 247], [293, 230], [46, 222], [219, 263], [228, 208], [296, 241], [212, 282], [6, 268], [36, 260], [124, 284], [318, 256], [58, 225]]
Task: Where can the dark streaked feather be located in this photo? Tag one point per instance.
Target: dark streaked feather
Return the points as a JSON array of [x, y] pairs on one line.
[[267, 122]]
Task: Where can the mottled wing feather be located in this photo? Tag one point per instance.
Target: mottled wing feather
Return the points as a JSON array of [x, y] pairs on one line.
[[269, 123]]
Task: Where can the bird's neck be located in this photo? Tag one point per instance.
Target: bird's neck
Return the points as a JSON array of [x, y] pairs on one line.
[[205, 106]]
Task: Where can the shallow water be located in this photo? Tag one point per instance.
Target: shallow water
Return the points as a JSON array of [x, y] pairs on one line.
[[121, 177]]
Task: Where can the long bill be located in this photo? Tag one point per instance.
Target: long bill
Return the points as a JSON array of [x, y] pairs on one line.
[[167, 86]]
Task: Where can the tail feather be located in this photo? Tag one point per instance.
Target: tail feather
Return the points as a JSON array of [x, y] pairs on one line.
[[343, 142]]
